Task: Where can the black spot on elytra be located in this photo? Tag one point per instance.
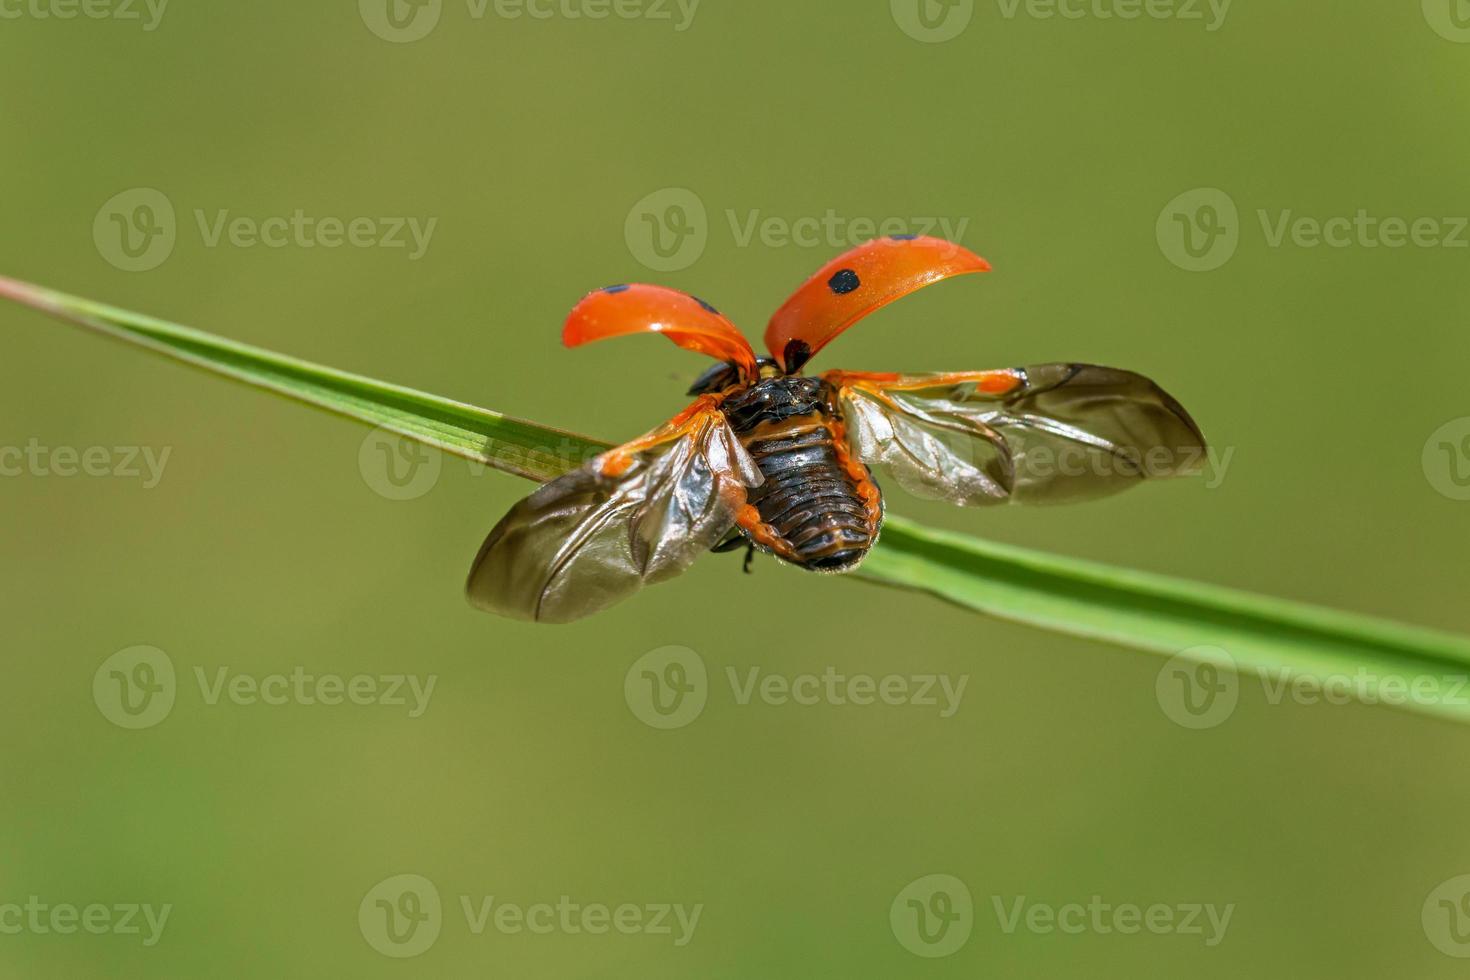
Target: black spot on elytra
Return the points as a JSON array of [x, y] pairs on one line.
[[844, 282], [797, 353], [903, 238], [614, 290], [707, 307]]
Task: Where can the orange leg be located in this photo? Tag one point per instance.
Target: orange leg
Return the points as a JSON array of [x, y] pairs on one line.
[[617, 461], [749, 521]]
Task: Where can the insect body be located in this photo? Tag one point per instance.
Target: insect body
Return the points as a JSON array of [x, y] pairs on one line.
[[818, 506], [778, 460]]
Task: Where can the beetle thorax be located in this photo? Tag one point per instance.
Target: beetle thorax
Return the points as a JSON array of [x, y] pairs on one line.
[[774, 400]]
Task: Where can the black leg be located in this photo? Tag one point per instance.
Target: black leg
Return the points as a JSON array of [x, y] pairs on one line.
[[735, 542]]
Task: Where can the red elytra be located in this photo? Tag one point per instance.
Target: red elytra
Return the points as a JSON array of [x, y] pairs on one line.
[[840, 293]]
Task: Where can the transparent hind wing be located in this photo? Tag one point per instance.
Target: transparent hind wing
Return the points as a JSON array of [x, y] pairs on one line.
[[1049, 433], [635, 516]]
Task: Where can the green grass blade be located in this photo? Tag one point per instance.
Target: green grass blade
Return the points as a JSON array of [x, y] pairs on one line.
[[1378, 660], [1153, 613], [506, 443]]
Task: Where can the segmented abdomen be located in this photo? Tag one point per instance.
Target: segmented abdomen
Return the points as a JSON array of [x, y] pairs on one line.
[[810, 499]]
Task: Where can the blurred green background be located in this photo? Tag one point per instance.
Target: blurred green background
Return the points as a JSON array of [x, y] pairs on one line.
[[547, 150]]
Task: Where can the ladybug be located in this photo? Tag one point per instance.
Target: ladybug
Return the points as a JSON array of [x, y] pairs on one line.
[[772, 459]]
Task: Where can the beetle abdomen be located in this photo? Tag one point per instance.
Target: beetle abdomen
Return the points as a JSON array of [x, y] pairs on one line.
[[809, 499], [817, 508]]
